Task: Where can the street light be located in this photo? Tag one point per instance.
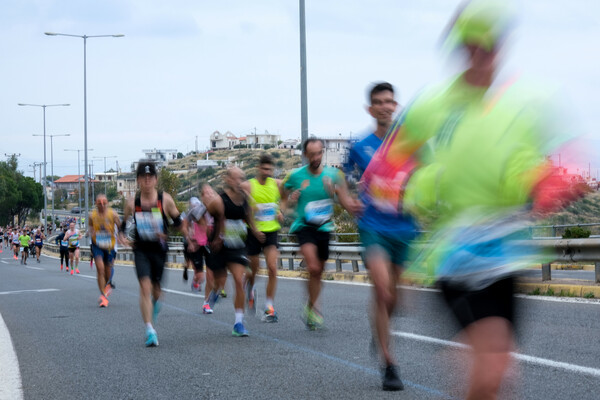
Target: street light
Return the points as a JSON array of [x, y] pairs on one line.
[[45, 176], [52, 168], [79, 173], [85, 149], [100, 158]]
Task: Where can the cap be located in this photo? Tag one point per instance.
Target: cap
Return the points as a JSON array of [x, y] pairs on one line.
[[146, 168], [480, 22]]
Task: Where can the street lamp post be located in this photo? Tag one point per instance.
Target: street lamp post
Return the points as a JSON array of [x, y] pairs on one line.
[[79, 174], [52, 168], [85, 149], [105, 180], [45, 176]]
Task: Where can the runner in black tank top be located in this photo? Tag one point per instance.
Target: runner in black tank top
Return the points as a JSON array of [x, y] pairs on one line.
[[150, 210], [234, 215]]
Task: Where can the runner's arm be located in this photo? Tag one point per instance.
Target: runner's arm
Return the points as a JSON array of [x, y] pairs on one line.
[[352, 205]]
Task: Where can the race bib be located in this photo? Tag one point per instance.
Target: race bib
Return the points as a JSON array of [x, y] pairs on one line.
[[74, 240], [265, 212], [64, 243], [103, 239], [149, 225], [38, 240], [235, 234], [318, 212]]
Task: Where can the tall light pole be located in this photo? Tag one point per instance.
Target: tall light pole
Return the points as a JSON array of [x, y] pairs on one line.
[[105, 157], [52, 167], [303, 90], [45, 176], [79, 173], [85, 149]]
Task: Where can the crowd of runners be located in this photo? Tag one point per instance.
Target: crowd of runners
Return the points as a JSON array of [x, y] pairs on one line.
[[465, 153]]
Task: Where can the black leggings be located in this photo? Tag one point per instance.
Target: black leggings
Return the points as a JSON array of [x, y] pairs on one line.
[[64, 254]]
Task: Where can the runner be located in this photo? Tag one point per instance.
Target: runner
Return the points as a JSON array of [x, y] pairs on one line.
[[312, 189], [24, 240], [211, 289], [39, 238], [72, 236], [265, 195], [384, 233], [102, 223], [150, 210], [64, 248], [482, 145], [232, 211], [198, 223], [15, 243]]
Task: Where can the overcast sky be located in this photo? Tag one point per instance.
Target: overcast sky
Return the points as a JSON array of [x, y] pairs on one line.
[[188, 68]]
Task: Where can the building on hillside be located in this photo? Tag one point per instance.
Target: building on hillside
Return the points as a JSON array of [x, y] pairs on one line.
[[259, 141], [336, 151], [105, 176], [220, 141], [204, 164], [127, 186], [289, 144], [160, 157]]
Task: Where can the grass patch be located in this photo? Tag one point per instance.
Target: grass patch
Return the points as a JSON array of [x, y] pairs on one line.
[[536, 292], [588, 295]]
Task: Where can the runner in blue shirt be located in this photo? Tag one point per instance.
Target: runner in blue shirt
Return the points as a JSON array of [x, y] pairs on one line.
[[384, 231]]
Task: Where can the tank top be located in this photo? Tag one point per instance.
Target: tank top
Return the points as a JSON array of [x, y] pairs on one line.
[[38, 239], [104, 229], [149, 224], [265, 204], [235, 224]]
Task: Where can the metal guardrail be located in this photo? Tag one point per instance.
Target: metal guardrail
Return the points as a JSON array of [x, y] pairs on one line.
[[566, 250]]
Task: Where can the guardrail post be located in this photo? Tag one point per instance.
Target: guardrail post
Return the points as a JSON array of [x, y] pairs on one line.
[[546, 274], [279, 263], [291, 263], [597, 272], [338, 265], [354, 266]]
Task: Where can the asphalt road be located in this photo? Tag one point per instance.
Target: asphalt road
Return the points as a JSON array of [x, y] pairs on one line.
[[68, 348]]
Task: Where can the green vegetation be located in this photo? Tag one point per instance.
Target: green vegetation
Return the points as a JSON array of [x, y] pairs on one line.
[[589, 295], [576, 233], [19, 195]]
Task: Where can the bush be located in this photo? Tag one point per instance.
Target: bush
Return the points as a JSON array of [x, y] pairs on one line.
[[276, 154], [267, 146], [576, 233]]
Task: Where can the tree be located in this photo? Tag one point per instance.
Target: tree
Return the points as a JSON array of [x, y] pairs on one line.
[[9, 195], [31, 199], [168, 182], [179, 156], [112, 192]]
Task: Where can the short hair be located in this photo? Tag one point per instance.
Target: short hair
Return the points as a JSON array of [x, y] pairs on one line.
[[378, 88], [308, 141], [265, 158]]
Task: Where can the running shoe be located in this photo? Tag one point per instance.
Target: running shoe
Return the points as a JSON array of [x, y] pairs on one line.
[[151, 338], [112, 284], [103, 301], [239, 330], [185, 274], [76, 270], [156, 306], [312, 318], [61, 267], [206, 309], [91, 263], [223, 294], [391, 380], [38, 260], [195, 286], [25, 262], [213, 297], [107, 290], [72, 272], [270, 315], [21, 261]]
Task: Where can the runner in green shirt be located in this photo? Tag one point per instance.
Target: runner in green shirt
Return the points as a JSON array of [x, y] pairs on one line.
[[24, 239], [312, 189]]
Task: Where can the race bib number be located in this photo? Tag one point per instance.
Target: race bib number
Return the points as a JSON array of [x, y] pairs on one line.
[[318, 212], [64, 243], [38, 240], [235, 234], [265, 212], [103, 239], [74, 240], [149, 225]]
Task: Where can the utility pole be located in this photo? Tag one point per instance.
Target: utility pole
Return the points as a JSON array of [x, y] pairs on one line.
[[303, 86], [196, 144]]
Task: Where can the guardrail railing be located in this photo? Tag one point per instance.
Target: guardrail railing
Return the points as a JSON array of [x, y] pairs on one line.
[[566, 250]]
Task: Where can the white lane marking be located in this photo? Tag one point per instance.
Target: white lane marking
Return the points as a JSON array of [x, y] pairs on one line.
[[578, 300], [5, 262], [521, 357], [38, 268], [11, 386], [31, 290], [86, 276], [182, 293]]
